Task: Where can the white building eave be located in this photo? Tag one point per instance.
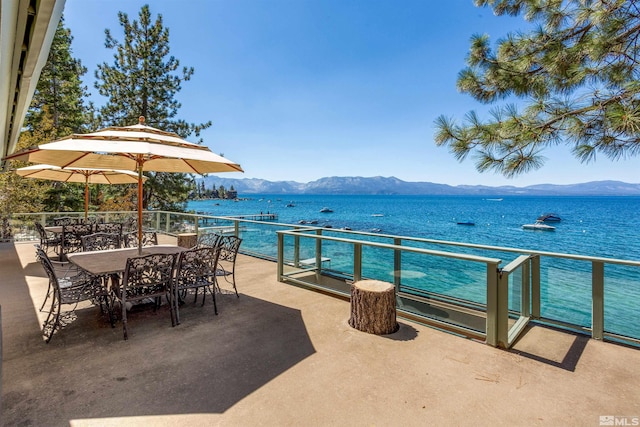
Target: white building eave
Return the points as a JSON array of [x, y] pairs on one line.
[[27, 28]]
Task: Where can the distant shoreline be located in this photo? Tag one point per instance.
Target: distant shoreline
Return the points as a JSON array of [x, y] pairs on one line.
[[393, 186]]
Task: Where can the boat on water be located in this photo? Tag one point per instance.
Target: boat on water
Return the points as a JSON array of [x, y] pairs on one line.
[[466, 223], [326, 210], [303, 221], [539, 226], [377, 214], [549, 217]]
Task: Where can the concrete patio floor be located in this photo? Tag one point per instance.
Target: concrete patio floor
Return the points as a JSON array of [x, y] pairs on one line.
[[285, 356]]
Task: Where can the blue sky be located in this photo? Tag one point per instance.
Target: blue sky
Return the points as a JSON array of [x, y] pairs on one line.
[[302, 89]]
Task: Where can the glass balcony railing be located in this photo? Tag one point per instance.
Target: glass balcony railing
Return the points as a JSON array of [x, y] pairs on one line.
[[485, 292]]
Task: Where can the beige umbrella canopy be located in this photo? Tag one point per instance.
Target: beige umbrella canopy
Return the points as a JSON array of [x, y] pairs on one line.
[[138, 148], [86, 176]]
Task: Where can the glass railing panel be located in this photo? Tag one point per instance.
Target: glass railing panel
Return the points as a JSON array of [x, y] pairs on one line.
[[565, 291], [444, 277], [338, 258], [516, 278], [621, 300], [306, 250], [260, 239], [377, 264]]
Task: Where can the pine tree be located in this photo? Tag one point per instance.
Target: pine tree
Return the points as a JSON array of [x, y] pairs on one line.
[[60, 90], [576, 74], [143, 80], [57, 109]]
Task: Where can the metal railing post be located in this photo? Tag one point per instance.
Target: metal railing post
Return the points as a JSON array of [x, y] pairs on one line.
[[318, 255], [357, 262], [597, 300], [496, 333], [296, 250], [236, 227], [397, 265], [280, 267], [525, 290], [535, 286]]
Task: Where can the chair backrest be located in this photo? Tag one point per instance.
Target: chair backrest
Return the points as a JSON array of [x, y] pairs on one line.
[[110, 227], [149, 238], [92, 220], [72, 236], [41, 232], [147, 276], [69, 284], [100, 241], [208, 239], [130, 224], [196, 267], [65, 220], [229, 246], [42, 256]]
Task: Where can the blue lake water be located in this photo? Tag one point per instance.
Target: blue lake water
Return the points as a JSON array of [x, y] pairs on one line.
[[599, 226], [594, 226]]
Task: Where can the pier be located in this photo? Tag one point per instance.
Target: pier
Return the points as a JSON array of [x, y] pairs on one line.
[[255, 217]]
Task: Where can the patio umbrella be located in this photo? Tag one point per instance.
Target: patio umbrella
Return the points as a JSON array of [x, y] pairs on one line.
[[137, 148], [86, 176]]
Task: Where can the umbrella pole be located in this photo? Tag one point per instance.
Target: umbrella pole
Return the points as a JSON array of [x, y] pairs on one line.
[[139, 206], [86, 198]]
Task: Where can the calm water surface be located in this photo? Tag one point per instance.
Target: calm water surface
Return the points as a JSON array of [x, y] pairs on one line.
[[599, 226], [593, 226]]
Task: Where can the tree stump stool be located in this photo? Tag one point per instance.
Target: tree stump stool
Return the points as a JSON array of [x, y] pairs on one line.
[[373, 307], [187, 240]]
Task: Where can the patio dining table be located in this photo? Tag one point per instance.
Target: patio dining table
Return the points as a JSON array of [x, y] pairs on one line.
[[114, 261], [56, 229]]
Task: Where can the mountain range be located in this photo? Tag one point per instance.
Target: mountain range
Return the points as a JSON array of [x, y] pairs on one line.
[[391, 185]]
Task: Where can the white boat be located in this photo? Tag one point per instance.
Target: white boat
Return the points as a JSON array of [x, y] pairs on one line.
[[539, 226], [326, 210]]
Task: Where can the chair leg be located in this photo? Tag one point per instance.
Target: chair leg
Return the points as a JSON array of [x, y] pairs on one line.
[[175, 310], [53, 319], [46, 296], [213, 296], [108, 301], [125, 331], [233, 276]]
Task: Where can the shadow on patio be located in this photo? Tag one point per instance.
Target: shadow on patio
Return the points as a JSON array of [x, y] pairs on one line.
[[205, 365]]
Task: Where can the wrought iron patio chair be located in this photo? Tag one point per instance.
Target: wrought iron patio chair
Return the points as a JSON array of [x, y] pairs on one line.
[[146, 277], [72, 238], [130, 224], [208, 240], [149, 238], [229, 246], [100, 241], [65, 220], [61, 269], [48, 240], [91, 220], [68, 290], [195, 269], [110, 227]]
